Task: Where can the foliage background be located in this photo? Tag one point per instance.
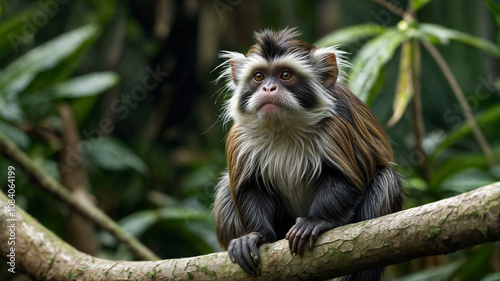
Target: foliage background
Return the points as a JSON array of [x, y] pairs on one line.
[[153, 167]]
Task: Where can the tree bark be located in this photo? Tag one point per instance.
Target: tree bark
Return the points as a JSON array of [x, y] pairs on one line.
[[438, 228]]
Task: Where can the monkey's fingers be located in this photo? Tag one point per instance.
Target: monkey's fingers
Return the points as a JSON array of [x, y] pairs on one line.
[[239, 253], [314, 234], [306, 233], [290, 236], [298, 235], [244, 252], [306, 228], [297, 241]]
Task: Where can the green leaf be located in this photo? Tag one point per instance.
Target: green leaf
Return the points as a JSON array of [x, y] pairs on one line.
[[492, 114], [478, 264], [441, 273], [349, 35], [467, 180], [85, 85], [495, 9], [444, 35], [16, 135], [370, 59], [10, 109], [419, 4], [20, 73], [377, 86], [404, 88], [454, 165], [137, 223], [111, 154], [492, 277], [204, 236]]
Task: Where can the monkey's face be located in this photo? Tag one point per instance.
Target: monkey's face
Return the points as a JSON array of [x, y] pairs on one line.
[[281, 80], [274, 91]]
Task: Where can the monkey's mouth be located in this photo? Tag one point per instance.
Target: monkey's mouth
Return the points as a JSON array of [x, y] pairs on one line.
[[270, 105], [271, 109]]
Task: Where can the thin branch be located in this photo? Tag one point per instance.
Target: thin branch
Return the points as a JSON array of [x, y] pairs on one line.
[[417, 118], [441, 227], [79, 229], [391, 7], [50, 185], [483, 143]]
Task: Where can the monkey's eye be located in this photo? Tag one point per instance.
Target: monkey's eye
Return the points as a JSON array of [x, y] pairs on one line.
[[286, 75], [258, 76]]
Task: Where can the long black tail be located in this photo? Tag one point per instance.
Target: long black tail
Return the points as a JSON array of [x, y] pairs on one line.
[[383, 196]]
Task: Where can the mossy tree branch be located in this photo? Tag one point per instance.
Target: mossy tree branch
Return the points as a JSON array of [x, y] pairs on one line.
[[11, 151], [438, 228]]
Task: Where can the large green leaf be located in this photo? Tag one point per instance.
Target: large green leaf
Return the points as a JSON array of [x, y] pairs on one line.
[[444, 35], [20, 73], [405, 88], [111, 154], [455, 165], [349, 35], [370, 59], [85, 85], [467, 180]]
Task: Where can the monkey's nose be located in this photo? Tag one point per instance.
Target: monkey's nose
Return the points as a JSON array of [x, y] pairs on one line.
[[270, 90]]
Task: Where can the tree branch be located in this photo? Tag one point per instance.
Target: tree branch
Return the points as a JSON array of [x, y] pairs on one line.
[[391, 7], [80, 230], [438, 228], [483, 143], [84, 207]]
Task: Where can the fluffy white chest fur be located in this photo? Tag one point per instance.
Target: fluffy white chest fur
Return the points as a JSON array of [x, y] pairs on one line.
[[287, 158]]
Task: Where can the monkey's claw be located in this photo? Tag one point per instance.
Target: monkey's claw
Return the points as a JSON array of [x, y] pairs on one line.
[[305, 228], [244, 252]]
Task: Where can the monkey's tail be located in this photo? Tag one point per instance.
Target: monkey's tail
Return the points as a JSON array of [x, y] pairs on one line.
[[384, 195]]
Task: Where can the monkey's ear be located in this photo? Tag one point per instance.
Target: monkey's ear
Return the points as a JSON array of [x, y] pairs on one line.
[[333, 71], [234, 70]]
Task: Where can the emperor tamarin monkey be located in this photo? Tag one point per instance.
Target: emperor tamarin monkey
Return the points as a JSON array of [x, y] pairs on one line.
[[304, 155]]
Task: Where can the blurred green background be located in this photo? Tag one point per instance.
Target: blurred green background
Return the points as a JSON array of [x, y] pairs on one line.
[[137, 77]]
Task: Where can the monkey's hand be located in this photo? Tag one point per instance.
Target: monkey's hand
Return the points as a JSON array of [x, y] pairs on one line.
[[244, 252], [306, 228]]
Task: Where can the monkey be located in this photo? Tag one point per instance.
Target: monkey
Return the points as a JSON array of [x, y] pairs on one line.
[[304, 154]]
